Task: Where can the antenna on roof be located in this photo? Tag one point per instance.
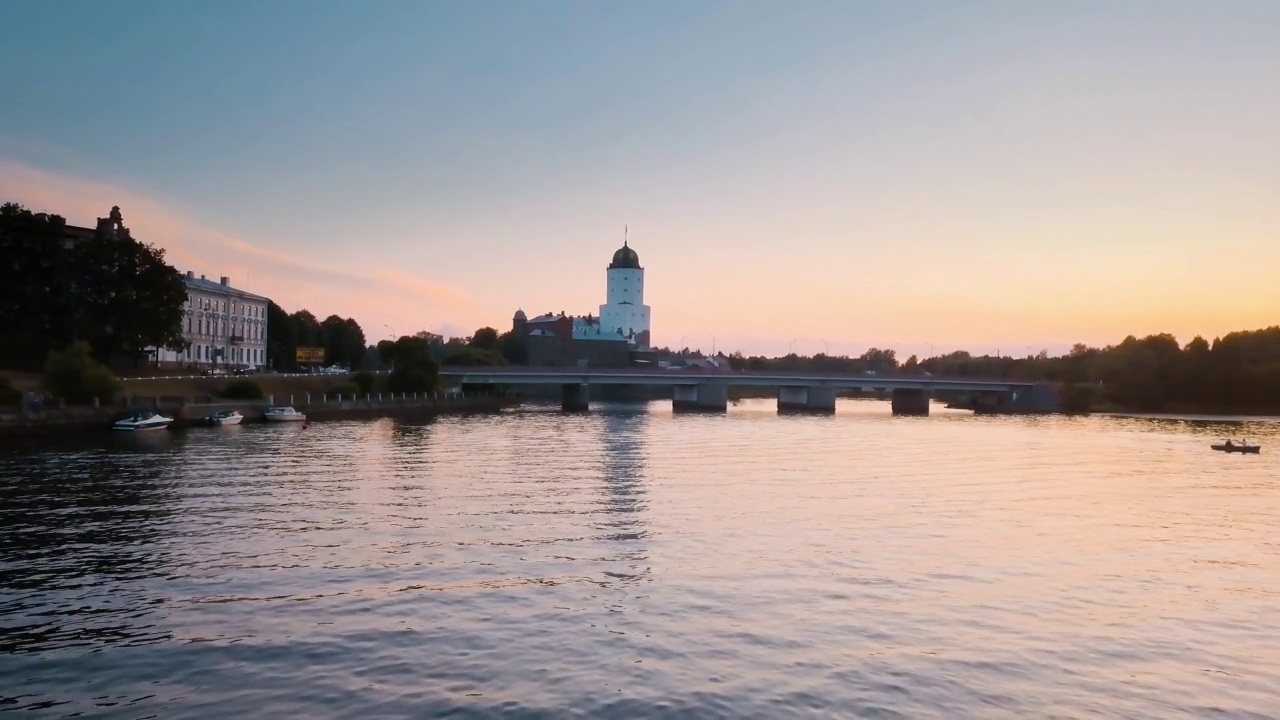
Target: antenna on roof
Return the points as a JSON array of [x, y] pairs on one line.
[[624, 235]]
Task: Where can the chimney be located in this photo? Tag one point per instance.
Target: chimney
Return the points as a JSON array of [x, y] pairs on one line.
[[224, 280], [190, 275], [202, 277]]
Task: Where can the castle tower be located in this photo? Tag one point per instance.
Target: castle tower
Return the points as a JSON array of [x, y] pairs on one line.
[[624, 311]]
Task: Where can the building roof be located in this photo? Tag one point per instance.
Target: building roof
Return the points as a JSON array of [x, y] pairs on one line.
[[625, 258], [205, 285]]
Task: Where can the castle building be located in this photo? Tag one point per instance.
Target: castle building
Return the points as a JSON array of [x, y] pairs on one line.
[[624, 312], [621, 327]]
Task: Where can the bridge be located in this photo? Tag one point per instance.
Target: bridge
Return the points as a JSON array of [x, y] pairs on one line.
[[708, 390]]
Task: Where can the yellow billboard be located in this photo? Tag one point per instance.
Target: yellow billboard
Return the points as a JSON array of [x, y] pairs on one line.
[[311, 355]]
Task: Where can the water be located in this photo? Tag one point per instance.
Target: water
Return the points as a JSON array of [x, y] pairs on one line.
[[632, 563]]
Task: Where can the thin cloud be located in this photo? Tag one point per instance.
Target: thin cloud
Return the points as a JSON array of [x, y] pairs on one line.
[[376, 296]]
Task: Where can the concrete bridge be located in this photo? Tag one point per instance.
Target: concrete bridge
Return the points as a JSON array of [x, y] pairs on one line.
[[708, 390]]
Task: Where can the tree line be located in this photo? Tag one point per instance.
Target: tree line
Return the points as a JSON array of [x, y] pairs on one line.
[[342, 339], [1238, 372], [118, 296], [107, 290]]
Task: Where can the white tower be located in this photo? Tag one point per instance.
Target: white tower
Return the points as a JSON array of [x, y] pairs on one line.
[[624, 312]]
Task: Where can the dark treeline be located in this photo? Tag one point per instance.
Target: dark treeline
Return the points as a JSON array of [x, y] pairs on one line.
[[107, 290], [342, 339], [484, 347], [1239, 372]]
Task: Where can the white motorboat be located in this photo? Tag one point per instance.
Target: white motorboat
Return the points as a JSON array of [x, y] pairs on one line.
[[224, 417], [143, 421], [284, 414]]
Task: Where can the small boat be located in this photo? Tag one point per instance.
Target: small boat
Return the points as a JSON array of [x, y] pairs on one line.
[[143, 421], [224, 417], [284, 414], [1231, 447]]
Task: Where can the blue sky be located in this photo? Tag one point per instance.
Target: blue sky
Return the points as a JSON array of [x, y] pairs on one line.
[[908, 174]]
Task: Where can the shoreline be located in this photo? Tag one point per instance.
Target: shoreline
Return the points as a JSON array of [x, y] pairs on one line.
[[85, 420]]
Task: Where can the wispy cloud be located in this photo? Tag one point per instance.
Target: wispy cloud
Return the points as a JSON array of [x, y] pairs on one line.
[[376, 296]]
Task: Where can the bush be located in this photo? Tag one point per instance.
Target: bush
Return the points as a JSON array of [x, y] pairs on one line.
[[345, 389], [364, 380], [243, 390], [474, 357], [9, 395], [73, 374], [1078, 399]]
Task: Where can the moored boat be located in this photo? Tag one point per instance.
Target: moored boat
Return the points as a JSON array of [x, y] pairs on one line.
[[284, 414], [224, 417], [1242, 447], [143, 421]]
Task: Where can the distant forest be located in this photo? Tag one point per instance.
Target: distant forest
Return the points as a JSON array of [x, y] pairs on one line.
[[1239, 372]]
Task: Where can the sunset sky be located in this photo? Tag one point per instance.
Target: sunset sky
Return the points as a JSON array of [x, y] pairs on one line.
[[838, 174]]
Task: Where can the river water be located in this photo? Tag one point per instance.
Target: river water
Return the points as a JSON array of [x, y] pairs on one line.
[[634, 563]]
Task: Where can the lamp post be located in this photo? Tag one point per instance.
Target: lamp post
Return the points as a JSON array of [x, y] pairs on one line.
[[391, 330], [826, 347], [713, 344], [791, 347], [681, 348]]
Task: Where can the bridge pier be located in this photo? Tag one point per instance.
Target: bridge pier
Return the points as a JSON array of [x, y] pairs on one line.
[[575, 397], [802, 399], [910, 401], [704, 397]]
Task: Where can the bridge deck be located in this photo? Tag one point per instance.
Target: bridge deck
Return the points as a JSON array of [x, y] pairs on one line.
[[643, 376]]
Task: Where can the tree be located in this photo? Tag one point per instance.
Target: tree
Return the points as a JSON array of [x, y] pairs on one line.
[[75, 376], [306, 329], [112, 291], [36, 303], [343, 341], [130, 299], [472, 356], [412, 368], [486, 338], [513, 348], [282, 344], [878, 360]]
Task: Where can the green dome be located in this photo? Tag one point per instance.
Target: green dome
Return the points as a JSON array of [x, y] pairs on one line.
[[625, 258]]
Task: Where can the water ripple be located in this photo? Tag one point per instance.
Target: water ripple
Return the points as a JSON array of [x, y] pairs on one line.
[[633, 563]]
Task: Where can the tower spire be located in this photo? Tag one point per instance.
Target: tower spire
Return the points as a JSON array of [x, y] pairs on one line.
[[624, 235]]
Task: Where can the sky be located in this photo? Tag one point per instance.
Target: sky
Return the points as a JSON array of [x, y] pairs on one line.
[[810, 177]]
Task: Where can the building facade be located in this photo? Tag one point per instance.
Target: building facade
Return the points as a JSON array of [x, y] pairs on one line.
[[223, 326]]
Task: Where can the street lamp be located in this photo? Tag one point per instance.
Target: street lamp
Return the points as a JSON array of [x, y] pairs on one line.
[[713, 344], [826, 347], [681, 349], [791, 347], [392, 330]]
